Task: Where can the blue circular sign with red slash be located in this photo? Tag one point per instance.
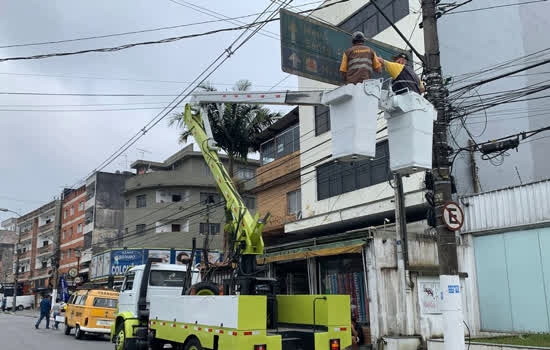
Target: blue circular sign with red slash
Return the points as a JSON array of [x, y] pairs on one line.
[[453, 216]]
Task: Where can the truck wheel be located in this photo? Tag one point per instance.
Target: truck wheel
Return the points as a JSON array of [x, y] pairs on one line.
[[204, 288], [20, 308], [121, 342], [67, 329], [78, 334], [193, 344]]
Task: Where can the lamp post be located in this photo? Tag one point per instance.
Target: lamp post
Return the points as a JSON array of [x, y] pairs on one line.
[[15, 280]]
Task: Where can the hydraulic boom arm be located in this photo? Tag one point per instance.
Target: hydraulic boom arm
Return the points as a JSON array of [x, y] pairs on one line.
[[248, 229]]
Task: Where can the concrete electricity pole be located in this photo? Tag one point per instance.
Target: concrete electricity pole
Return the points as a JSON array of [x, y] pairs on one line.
[[17, 247], [451, 303]]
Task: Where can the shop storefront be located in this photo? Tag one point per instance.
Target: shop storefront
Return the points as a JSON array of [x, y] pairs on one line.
[[332, 268]]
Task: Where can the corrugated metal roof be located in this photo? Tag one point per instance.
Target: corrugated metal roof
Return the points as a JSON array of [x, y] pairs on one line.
[[513, 206]]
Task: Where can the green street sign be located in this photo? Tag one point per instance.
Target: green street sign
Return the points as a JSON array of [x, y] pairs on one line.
[[312, 49]]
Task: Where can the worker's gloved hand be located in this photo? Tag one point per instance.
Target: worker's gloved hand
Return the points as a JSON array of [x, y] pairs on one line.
[[381, 60]]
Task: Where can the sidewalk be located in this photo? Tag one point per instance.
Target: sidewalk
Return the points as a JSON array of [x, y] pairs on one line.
[[26, 313]]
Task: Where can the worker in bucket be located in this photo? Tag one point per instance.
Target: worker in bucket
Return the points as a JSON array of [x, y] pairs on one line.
[[404, 78], [359, 61]]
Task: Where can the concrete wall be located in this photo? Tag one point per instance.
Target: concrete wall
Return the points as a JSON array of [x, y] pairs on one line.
[[422, 310]]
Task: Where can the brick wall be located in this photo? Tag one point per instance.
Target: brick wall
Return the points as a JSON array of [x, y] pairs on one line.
[[75, 200]]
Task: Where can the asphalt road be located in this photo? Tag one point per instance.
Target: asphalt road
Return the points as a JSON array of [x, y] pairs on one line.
[[17, 332]]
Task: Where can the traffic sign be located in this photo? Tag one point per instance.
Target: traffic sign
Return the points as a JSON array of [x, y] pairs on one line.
[[313, 49], [453, 216]]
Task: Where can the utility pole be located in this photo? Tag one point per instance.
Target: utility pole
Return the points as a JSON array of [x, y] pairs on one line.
[[57, 250], [402, 251], [451, 303]]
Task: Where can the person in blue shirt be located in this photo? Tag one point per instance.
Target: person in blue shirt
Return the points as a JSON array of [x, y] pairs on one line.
[[45, 306]]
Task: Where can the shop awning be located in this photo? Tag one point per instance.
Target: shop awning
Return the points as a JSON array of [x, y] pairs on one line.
[[344, 247]]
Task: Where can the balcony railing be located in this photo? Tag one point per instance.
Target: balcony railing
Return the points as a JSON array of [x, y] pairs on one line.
[[41, 271], [44, 249], [24, 276], [45, 228], [26, 236], [25, 255]]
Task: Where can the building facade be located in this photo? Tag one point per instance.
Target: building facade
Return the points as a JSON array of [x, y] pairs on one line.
[[71, 238], [9, 224], [103, 215], [344, 240], [8, 240], [39, 230], [169, 203]]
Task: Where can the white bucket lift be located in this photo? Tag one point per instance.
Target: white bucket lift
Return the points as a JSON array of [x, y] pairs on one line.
[[353, 114], [410, 120]]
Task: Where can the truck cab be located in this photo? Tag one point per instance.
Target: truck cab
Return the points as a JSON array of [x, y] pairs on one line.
[[164, 280]]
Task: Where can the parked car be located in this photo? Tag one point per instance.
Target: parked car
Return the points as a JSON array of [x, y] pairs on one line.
[[91, 311]]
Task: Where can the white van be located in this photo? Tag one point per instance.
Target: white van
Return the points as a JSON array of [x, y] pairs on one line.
[[23, 301]]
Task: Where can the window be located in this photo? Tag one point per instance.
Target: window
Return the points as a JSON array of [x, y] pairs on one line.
[[336, 178], [64, 234], [81, 206], [129, 281], [322, 120], [166, 278], [62, 255], [294, 202], [104, 302], [77, 300], [141, 201], [65, 214], [371, 22], [71, 232], [214, 228], [250, 202], [176, 197], [206, 170], [281, 145], [126, 231], [79, 228], [209, 197], [72, 299], [127, 203], [140, 228], [44, 264], [45, 243], [83, 300], [245, 173], [176, 227], [72, 210], [69, 253]]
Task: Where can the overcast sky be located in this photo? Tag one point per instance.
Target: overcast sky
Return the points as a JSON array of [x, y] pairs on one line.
[[42, 152]]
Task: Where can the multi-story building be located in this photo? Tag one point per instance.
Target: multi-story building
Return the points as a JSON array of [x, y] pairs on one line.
[[8, 239], [166, 202], [103, 211], [345, 241], [38, 230], [71, 239], [9, 224]]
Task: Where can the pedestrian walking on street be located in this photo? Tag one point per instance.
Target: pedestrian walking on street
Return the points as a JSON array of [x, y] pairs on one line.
[[3, 304], [56, 308], [45, 306], [359, 61]]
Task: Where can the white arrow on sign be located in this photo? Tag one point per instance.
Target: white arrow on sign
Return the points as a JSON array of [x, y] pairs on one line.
[[453, 216], [294, 59]]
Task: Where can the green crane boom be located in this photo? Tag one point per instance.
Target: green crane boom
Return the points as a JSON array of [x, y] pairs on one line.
[[248, 229]]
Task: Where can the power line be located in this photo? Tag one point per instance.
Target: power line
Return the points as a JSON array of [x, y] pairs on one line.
[[136, 31], [258, 24], [494, 7]]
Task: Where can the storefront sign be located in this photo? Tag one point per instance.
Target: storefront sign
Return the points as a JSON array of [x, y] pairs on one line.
[[121, 260]]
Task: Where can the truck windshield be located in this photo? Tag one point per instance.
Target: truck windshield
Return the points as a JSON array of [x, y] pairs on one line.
[[166, 278], [104, 302]]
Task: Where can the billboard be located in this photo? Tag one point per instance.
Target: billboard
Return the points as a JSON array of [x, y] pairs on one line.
[[121, 260], [115, 262]]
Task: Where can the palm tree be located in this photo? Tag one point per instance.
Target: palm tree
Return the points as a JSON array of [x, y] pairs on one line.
[[234, 126]]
